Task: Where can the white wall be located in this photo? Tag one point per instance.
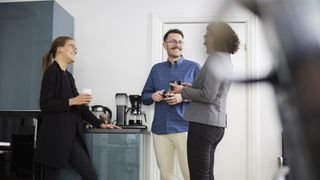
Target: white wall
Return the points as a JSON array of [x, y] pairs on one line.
[[114, 41]]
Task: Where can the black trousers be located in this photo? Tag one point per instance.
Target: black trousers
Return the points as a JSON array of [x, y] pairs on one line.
[[201, 145], [79, 160]]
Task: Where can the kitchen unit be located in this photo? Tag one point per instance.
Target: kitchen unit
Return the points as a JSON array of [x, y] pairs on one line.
[[116, 154]]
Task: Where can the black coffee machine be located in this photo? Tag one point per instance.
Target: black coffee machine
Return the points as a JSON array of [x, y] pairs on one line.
[[130, 117], [136, 116]]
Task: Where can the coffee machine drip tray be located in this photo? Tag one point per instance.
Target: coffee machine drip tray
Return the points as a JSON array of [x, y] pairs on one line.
[[134, 127]]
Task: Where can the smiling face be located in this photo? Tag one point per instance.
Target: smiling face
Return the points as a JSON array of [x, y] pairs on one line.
[[174, 45], [68, 51]]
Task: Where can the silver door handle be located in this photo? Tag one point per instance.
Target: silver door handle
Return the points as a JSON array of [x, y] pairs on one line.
[[280, 161]]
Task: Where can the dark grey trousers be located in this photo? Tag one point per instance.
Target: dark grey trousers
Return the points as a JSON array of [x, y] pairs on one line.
[[201, 145], [79, 161]]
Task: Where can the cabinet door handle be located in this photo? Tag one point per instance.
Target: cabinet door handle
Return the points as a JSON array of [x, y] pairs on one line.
[[280, 161]]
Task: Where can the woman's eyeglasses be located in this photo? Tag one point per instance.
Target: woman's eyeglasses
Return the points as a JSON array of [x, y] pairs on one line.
[[73, 47]]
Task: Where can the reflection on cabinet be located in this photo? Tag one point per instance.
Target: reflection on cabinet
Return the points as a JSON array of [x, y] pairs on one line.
[[114, 156]]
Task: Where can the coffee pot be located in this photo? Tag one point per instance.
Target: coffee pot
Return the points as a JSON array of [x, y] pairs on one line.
[[137, 119], [130, 117], [136, 116]]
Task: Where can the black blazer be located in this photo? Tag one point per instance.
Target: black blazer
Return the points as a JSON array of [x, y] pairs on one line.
[[59, 121]]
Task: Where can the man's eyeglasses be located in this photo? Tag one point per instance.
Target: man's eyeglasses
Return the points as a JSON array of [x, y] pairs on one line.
[[174, 42]]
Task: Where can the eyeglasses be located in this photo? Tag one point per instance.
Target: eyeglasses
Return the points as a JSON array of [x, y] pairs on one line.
[[75, 49], [174, 42]]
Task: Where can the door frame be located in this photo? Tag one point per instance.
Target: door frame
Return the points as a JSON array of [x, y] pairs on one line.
[[252, 154]]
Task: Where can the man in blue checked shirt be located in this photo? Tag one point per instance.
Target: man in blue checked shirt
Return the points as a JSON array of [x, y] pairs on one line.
[[168, 127]]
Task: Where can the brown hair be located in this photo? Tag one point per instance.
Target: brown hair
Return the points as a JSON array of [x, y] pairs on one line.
[[224, 37], [51, 54]]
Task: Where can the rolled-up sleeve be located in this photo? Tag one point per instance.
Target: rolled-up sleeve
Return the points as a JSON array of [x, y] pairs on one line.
[[148, 90]]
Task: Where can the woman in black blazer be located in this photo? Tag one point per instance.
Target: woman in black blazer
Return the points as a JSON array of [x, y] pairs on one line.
[[60, 140]]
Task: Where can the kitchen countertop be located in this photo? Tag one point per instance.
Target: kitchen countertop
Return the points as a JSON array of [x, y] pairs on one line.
[[35, 113], [20, 113], [117, 131]]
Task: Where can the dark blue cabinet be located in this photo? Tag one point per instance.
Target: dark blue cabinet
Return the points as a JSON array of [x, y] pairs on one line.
[[26, 32]]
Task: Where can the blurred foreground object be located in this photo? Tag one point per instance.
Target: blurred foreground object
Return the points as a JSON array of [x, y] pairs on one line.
[[293, 30]]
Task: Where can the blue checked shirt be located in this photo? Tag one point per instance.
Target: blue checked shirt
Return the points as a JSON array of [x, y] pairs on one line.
[[168, 118]]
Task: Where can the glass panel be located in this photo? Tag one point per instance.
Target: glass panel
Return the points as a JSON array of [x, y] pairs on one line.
[[69, 173], [116, 156]]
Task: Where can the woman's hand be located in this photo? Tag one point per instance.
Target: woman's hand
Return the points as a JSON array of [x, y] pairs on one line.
[[109, 126], [157, 96], [189, 85], [176, 88], [173, 99], [84, 98]]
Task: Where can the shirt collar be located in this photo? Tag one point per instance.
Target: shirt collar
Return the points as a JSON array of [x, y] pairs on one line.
[[55, 63], [177, 62]]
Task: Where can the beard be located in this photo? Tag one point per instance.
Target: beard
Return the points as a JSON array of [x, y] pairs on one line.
[[175, 54]]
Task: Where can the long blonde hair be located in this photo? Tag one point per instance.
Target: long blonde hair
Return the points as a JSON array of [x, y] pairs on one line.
[[51, 54]]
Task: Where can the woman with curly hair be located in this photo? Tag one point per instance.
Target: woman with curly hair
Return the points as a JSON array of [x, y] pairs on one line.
[[207, 112]]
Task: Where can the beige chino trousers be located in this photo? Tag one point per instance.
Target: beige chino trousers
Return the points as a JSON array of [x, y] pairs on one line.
[[166, 146]]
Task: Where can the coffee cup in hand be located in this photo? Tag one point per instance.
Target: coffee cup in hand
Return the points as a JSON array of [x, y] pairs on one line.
[[87, 91], [164, 93], [174, 82]]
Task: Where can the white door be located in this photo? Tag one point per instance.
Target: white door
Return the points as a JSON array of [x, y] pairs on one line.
[[230, 160]]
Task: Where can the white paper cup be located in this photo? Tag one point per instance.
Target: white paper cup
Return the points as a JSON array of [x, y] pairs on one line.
[[87, 91]]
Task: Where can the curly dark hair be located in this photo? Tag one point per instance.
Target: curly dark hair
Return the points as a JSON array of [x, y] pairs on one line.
[[225, 39]]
